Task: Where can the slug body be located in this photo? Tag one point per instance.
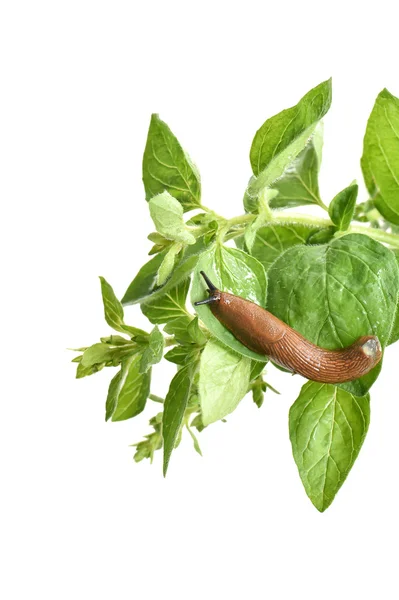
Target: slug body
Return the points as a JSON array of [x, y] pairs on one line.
[[264, 333]]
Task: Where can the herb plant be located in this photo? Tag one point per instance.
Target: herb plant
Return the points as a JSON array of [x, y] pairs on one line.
[[333, 278]]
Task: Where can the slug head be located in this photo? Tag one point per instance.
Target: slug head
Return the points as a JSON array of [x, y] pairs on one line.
[[214, 293]]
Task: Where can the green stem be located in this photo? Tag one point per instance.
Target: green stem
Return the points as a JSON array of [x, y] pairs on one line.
[[278, 216]]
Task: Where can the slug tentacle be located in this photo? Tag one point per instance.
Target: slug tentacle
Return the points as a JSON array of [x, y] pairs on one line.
[[260, 331]]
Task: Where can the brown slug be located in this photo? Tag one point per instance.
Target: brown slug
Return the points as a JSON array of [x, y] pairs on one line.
[[265, 334]]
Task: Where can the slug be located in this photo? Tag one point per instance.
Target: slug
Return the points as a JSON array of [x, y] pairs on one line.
[[265, 334]]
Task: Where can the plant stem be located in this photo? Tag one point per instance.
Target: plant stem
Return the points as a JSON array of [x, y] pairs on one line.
[[278, 216]]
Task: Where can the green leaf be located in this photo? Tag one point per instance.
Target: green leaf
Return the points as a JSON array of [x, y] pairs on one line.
[[281, 138], [144, 282], [174, 408], [154, 351], [380, 160], [299, 183], [167, 214], [327, 429], [168, 264], [82, 371], [167, 167], [394, 335], [223, 382], [169, 306], [195, 441], [335, 293], [97, 354], [322, 236], [256, 369], [113, 312], [179, 328], [233, 271], [258, 395], [152, 442], [133, 390], [342, 207], [196, 334], [112, 396], [272, 240], [181, 355], [105, 353], [143, 287]]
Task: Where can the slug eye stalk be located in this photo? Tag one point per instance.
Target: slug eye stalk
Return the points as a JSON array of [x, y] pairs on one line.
[[212, 289]]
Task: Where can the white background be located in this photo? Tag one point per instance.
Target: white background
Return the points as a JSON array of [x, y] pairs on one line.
[[80, 519]]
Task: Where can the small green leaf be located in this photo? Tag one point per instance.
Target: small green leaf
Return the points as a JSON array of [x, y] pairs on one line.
[[258, 395], [154, 351], [112, 396], [144, 287], [115, 340], [97, 353], [83, 371], [342, 207], [196, 334], [233, 271], [181, 355], [152, 442], [394, 335], [327, 430], [223, 382], [380, 160], [168, 263], [174, 408], [338, 292], [322, 236], [195, 441], [134, 388], [179, 328], [169, 306], [105, 353], [282, 137], [299, 183], [256, 369], [272, 240], [167, 167], [167, 214], [113, 311], [144, 282]]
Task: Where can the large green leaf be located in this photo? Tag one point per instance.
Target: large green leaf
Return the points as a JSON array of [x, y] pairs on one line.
[[299, 184], [174, 407], [169, 306], [335, 293], [282, 137], [224, 380], [166, 166], [272, 240], [342, 207], [380, 160], [131, 390], [327, 429], [233, 271]]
